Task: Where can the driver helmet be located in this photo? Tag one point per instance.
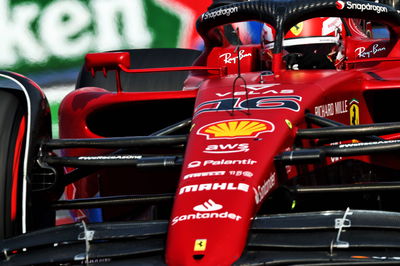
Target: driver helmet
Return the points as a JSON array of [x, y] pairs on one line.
[[310, 44]]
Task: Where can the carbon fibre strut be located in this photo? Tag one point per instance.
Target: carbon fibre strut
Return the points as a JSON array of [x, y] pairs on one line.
[[361, 132], [239, 76], [332, 131], [121, 157], [48, 162]]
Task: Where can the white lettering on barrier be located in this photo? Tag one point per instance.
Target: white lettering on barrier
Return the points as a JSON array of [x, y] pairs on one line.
[[134, 30], [64, 29], [15, 25], [56, 32]]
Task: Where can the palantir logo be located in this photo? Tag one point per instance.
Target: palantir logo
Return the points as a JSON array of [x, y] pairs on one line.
[[339, 5], [208, 206]]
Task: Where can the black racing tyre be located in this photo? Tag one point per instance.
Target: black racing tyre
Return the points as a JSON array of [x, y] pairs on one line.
[[145, 58], [12, 149]]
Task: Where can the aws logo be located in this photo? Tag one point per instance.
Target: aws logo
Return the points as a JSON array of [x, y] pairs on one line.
[[237, 128]]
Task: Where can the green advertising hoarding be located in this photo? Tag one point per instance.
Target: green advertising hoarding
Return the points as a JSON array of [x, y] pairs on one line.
[[48, 39], [49, 35]]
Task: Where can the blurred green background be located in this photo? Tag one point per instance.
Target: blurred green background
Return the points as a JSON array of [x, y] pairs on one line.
[[47, 40]]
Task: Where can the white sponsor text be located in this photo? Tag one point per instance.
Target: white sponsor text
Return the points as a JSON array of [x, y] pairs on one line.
[[360, 51], [204, 174], [213, 187], [229, 58], [221, 162], [227, 148], [262, 191], [221, 12]]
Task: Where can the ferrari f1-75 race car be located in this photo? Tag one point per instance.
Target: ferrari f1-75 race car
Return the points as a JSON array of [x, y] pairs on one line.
[[284, 152]]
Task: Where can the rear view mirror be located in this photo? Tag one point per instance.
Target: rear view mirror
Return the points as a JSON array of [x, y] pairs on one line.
[[107, 61]]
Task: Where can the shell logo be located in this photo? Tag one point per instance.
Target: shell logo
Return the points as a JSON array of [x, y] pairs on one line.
[[237, 128]]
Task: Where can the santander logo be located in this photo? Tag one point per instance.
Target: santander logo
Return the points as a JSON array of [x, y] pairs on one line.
[[339, 5], [208, 206]]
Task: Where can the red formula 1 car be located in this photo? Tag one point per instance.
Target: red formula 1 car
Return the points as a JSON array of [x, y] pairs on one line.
[[279, 153]]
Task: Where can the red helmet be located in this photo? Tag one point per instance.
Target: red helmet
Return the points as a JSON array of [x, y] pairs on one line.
[[312, 31], [317, 36]]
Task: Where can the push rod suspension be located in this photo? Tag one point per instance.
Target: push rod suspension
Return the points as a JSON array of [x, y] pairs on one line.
[[349, 131], [112, 143], [325, 122], [115, 161], [112, 201], [353, 149]]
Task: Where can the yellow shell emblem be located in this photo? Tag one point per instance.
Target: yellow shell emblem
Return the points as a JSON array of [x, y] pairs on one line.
[[297, 29], [236, 129]]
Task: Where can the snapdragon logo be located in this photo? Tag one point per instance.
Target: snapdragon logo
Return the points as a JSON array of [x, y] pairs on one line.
[[340, 5], [222, 12], [358, 6]]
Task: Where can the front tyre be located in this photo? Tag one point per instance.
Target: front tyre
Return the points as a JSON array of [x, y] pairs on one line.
[[12, 149]]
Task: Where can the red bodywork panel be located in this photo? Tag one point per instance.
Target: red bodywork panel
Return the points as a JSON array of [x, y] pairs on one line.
[[228, 169], [241, 121], [80, 104]]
